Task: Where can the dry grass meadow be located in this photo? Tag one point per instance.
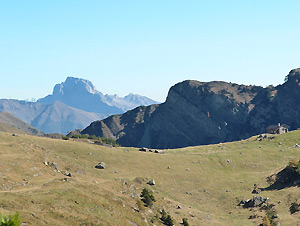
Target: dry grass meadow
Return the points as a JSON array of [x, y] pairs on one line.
[[207, 182]]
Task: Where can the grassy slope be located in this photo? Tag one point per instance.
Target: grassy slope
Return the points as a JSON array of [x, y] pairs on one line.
[[218, 176]]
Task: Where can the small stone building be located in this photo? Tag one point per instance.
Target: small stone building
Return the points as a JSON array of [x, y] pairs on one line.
[[278, 129]]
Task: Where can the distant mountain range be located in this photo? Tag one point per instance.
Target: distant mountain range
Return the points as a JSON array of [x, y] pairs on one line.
[[11, 124], [74, 104], [198, 113], [82, 94]]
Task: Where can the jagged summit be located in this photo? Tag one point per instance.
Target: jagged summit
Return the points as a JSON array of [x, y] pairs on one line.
[[71, 82], [294, 76], [82, 94]]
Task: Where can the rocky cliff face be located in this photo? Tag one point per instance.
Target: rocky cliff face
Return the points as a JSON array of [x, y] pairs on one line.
[[203, 113]]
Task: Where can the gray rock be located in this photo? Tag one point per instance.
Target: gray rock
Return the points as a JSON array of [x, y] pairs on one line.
[[254, 202], [151, 182], [100, 165], [159, 152], [143, 149]]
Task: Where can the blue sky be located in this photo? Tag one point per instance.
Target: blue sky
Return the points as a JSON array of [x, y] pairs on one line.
[[144, 47]]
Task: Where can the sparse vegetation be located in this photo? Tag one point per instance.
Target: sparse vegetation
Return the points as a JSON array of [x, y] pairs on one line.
[[97, 140], [111, 194], [271, 214], [65, 138]]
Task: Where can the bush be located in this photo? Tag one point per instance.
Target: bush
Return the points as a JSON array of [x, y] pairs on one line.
[[166, 219], [65, 138], [185, 222], [109, 141], [295, 207], [169, 221], [163, 215], [147, 197], [93, 137], [75, 136], [11, 220]]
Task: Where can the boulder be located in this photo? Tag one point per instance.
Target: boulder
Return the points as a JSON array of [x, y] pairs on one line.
[[159, 152], [151, 182], [100, 165], [254, 202], [143, 149]]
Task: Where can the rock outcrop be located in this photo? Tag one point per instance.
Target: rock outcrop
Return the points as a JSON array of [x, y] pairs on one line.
[[198, 113]]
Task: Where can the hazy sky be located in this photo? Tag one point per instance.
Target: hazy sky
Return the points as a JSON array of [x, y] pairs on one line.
[[142, 46]]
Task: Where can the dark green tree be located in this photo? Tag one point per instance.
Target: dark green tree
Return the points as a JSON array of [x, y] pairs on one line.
[[147, 197], [163, 215], [169, 221]]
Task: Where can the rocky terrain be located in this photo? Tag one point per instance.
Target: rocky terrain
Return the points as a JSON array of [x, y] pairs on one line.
[[205, 113]]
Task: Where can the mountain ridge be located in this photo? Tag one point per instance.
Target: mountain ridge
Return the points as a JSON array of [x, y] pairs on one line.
[[196, 113], [74, 104], [88, 98], [10, 123]]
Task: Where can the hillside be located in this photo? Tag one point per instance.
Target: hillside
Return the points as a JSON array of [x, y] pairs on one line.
[[196, 113], [49, 118], [61, 118], [203, 184], [12, 124]]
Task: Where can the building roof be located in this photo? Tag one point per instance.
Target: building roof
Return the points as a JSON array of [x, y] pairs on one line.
[[275, 127]]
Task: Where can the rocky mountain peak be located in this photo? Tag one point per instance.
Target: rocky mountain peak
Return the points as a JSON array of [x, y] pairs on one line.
[[71, 84], [293, 77]]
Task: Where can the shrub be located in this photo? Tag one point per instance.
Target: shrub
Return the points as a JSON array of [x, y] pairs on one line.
[[75, 136], [166, 219], [11, 220], [147, 197], [271, 214], [163, 215], [109, 141], [93, 137], [65, 138], [169, 221], [295, 207], [185, 222]]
